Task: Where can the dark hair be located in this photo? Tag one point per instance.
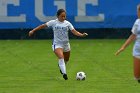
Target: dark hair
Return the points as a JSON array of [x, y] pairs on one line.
[[60, 11]]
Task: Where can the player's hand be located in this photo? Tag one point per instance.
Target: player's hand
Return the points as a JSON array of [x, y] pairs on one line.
[[85, 34], [119, 51], [31, 33]]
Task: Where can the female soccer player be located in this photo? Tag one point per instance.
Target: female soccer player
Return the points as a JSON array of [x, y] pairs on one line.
[[60, 46], [136, 49]]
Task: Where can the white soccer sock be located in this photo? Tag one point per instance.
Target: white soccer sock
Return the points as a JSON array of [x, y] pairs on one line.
[[62, 66]]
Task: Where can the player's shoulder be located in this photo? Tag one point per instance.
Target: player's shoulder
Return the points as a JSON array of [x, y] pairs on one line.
[[137, 21], [67, 22], [55, 20], [51, 22]]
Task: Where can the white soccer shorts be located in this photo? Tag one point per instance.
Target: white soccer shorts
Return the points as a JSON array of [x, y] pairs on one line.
[[65, 47]]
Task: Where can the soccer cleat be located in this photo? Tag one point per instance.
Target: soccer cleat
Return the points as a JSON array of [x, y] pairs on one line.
[[65, 76]]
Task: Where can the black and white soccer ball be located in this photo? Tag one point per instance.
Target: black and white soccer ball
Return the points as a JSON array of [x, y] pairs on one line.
[[80, 75]]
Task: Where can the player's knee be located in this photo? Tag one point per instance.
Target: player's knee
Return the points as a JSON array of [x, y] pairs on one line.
[[60, 57]]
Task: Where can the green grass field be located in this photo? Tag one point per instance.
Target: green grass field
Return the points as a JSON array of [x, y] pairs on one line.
[[30, 66]]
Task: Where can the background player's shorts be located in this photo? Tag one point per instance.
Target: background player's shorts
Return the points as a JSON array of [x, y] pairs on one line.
[[136, 50], [65, 47]]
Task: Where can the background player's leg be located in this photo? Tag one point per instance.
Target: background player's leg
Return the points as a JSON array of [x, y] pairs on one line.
[[137, 68]]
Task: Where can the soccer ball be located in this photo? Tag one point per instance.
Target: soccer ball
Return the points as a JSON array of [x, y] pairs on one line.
[[80, 76]]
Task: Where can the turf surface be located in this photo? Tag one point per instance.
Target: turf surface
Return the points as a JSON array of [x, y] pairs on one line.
[[30, 66]]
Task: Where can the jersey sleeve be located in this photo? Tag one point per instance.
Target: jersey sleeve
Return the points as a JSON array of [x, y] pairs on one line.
[[70, 26], [135, 27], [50, 23]]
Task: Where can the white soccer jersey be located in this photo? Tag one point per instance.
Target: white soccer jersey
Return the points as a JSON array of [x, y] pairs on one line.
[[60, 30], [136, 30]]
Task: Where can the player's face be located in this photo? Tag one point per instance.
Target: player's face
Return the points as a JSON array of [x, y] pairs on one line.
[[62, 17]]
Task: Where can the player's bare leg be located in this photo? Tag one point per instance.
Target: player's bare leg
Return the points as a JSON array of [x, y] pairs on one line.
[[66, 56], [137, 69], [61, 63], [59, 53]]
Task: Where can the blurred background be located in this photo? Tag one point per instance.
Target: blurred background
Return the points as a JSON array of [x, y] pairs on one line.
[[101, 19]]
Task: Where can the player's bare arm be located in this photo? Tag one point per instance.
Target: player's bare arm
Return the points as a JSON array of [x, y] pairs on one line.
[[37, 28], [128, 41], [78, 33]]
